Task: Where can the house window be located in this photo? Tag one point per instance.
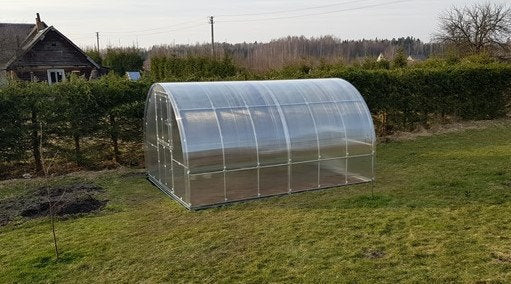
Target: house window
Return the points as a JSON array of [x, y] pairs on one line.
[[55, 76]]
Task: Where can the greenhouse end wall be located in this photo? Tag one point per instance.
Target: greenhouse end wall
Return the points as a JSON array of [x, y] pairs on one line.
[[211, 143]]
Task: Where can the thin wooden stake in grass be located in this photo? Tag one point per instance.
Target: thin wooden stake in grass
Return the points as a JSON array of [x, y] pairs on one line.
[[53, 225]]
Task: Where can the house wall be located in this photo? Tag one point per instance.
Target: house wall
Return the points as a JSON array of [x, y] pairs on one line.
[[40, 74], [52, 50], [3, 77]]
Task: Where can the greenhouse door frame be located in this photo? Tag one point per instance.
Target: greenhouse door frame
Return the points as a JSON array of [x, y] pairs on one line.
[[164, 143], [164, 116]]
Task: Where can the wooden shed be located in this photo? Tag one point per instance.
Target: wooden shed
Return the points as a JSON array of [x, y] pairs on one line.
[[37, 52]]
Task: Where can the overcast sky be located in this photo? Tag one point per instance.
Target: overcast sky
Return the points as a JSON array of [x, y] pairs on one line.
[[150, 22]]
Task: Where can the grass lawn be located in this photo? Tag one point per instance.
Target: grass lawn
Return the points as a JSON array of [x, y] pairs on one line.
[[441, 211]]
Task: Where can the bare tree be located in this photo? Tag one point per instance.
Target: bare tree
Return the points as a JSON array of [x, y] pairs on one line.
[[478, 28]]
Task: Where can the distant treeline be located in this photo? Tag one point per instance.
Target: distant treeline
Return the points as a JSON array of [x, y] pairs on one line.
[[281, 52]]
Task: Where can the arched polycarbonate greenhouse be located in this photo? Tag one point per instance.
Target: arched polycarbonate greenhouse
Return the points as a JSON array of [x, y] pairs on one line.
[[217, 142]]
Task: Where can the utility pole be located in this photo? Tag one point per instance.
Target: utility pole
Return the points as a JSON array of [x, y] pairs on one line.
[[97, 40], [212, 22]]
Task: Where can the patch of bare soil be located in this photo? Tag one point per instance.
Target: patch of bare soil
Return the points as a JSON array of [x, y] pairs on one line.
[[65, 201], [372, 254]]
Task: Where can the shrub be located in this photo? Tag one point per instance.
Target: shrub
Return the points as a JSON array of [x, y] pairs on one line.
[[121, 60], [191, 68]]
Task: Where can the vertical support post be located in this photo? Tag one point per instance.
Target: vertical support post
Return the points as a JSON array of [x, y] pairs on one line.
[[97, 41], [373, 153], [52, 224], [212, 22]]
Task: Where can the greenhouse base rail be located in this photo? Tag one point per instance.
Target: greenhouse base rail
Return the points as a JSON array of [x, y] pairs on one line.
[[190, 207]]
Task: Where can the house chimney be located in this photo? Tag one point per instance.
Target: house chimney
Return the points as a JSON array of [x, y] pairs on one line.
[[38, 23]]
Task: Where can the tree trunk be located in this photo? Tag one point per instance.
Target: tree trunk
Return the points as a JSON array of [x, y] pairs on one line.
[[114, 135], [36, 143], [78, 157]]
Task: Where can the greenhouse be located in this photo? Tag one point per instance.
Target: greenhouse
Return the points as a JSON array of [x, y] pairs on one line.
[[211, 143]]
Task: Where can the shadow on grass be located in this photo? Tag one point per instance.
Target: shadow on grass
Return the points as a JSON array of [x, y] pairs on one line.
[[48, 261]]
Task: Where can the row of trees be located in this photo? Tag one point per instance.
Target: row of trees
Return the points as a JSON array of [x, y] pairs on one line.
[[191, 68], [278, 53], [38, 118], [119, 60], [462, 31]]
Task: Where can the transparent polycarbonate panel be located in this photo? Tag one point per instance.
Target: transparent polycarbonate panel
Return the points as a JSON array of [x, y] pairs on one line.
[[150, 119], [337, 89], [360, 169], [302, 133], [358, 128], [151, 160], [178, 175], [255, 94], [304, 176], [273, 180], [161, 108], [204, 145], [167, 166], [177, 151], [238, 136], [224, 95], [161, 163], [314, 92], [241, 184], [151, 145], [287, 93], [206, 189], [271, 137], [332, 172], [240, 140], [331, 131], [188, 95], [348, 90]]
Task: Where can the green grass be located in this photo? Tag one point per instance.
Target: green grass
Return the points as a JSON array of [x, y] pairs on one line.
[[441, 211]]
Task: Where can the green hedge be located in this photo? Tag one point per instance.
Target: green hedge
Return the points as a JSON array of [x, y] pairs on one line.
[[402, 99], [191, 68], [36, 118]]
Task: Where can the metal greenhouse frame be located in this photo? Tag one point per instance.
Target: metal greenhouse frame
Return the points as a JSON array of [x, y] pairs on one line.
[[217, 142]]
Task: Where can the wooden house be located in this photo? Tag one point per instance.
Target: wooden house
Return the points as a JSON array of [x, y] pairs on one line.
[[37, 52]]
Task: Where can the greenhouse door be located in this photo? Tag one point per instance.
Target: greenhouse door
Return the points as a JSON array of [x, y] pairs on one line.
[[164, 142]]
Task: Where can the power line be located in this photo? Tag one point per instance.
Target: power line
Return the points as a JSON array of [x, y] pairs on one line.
[[153, 29], [315, 14], [264, 19], [173, 30], [211, 19], [149, 34], [139, 31], [155, 33], [292, 10]]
